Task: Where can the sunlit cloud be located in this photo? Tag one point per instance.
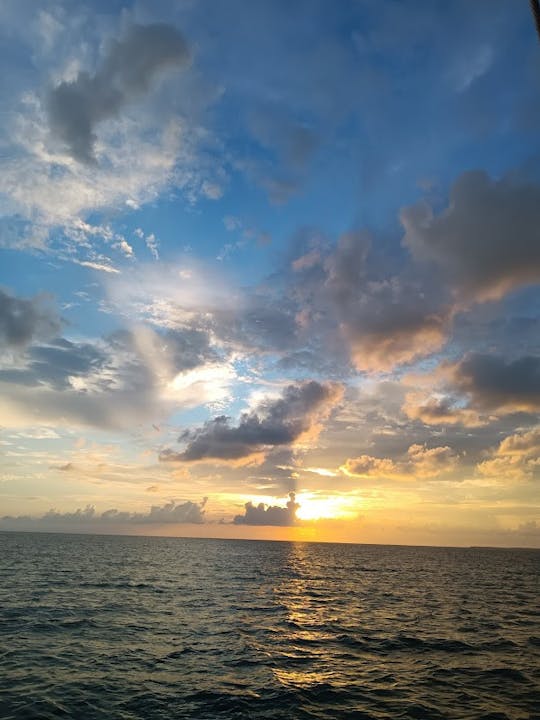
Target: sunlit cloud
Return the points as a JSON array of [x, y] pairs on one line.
[[294, 418], [517, 457], [418, 462], [226, 271]]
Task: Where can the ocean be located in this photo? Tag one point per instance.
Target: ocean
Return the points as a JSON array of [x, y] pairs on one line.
[[135, 627]]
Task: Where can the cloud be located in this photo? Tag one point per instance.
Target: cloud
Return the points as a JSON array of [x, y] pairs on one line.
[[391, 323], [262, 514], [440, 410], [88, 518], [385, 319], [486, 242], [22, 320], [292, 418], [517, 457], [129, 377], [369, 466], [493, 383], [281, 150], [76, 107], [134, 129], [418, 462], [101, 267], [324, 298], [56, 364], [472, 67]]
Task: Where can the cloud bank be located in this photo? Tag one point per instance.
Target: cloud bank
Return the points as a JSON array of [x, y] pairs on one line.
[[88, 518]]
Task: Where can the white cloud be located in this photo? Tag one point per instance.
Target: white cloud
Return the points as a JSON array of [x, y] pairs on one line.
[[101, 267], [148, 145]]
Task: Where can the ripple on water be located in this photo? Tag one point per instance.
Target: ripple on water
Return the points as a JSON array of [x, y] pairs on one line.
[[151, 628]]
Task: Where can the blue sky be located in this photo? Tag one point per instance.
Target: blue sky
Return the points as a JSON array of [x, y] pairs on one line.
[[253, 248]]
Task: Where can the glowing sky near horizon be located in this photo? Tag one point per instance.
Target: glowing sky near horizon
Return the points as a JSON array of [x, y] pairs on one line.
[[273, 247]]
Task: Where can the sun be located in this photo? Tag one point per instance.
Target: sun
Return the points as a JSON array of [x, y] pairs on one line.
[[320, 507]]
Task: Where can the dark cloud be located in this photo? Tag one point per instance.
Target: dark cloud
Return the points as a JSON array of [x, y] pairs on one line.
[[386, 320], [493, 383], [110, 383], [262, 514], [127, 71], [185, 348], [262, 321], [189, 348], [347, 267], [273, 423], [392, 322], [55, 364], [346, 293], [88, 518], [22, 321], [487, 241], [277, 472]]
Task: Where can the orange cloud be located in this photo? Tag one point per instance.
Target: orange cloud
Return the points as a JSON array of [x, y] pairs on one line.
[[418, 462]]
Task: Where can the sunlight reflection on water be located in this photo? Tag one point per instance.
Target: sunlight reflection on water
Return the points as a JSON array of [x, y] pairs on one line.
[[111, 627]]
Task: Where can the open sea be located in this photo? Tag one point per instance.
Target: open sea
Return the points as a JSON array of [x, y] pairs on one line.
[[159, 628]]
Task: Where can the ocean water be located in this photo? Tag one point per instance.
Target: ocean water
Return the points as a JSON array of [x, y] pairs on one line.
[[132, 627]]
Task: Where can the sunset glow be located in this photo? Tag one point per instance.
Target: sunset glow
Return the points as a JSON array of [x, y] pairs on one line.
[[315, 507], [270, 270], [269, 359]]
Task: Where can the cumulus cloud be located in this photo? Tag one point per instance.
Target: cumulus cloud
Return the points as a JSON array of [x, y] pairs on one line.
[[487, 241], [262, 514], [75, 108], [493, 383], [516, 457], [440, 410], [293, 417], [385, 319], [88, 518], [390, 323], [418, 462], [24, 320]]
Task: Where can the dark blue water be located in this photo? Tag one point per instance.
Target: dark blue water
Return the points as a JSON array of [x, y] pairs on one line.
[[124, 627]]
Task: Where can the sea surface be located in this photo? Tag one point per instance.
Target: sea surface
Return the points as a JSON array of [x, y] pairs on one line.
[[132, 627]]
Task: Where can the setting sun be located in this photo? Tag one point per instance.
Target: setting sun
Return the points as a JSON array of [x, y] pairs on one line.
[[318, 507]]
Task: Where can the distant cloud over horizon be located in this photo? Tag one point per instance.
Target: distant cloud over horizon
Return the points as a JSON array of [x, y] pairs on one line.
[[89, 518], [243, 255], [275, 515]]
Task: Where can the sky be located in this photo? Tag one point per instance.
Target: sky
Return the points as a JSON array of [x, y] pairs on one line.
[[271, 269]]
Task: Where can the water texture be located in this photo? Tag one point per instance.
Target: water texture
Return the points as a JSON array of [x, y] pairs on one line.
[[127, 627]]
